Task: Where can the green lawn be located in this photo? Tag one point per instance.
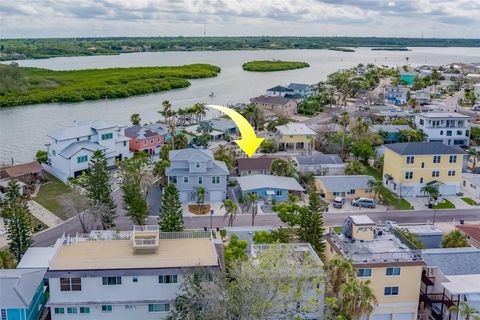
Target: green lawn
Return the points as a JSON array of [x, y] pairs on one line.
[[388, 197], [51, 194], [36, 222], [444, 205], [470, 201]]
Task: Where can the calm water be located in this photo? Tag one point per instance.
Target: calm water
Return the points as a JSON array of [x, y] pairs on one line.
[[23, 129]]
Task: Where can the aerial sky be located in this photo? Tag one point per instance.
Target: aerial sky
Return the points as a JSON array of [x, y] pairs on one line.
[[389, 18]]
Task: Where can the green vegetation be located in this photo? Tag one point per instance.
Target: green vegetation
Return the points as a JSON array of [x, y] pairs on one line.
[[445, 204], [51, 195], [13, 49], [341, 49], [455, 239], [470, 201], [390, 49], [20, 86], [386, 195], [273, 65]]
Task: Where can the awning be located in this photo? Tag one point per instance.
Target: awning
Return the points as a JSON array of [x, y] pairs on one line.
[[434, 183]]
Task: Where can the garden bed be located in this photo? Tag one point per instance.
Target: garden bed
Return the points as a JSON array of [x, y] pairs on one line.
[[199, 209]]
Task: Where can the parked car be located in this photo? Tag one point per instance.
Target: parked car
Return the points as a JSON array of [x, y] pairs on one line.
[[391, 223], [338, 202], [363, 202]]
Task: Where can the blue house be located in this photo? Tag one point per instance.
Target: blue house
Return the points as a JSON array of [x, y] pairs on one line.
[[22, 294], [390, 133], [269, 187]]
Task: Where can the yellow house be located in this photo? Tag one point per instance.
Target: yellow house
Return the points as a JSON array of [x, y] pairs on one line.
[[293, 136], [381, 255], [349, 187], [410, 166]]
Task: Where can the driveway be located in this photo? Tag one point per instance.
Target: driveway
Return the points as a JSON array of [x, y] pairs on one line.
[[347, 207]]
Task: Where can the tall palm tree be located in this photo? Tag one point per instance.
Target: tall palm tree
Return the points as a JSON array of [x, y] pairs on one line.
[[251, 204], [253, 114], [7, 260], [465, 310], [357, 299], [166, 111], [474, 155], [431, 192], [230, 211], [171, 131], [198, 195], [338, 271], [376, 186], [135, 119], [159, 170], [200, 111]]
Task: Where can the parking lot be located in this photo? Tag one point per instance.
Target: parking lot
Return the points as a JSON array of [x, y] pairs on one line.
[[347, 207]]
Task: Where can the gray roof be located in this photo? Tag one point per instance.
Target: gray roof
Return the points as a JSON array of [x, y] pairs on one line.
[[345, 183], [424, 148], [442, 115], [219, 168], [318, 159], [18, 286], [161, 127], [37, 257], [73, 148], [280, 89], [454, 261], [262, 181], [271, 100], [190, 154], [138, 132], [389, 128], [83, 129], [298, 86], [222, 124]]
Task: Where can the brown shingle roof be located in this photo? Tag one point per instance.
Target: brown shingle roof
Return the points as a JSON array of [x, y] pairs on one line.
[[22, 169], [471, 230], [271, 100], [260, 163]]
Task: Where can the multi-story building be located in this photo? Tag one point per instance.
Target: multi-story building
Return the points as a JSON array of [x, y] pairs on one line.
[[295, 137], [279, 91], [383, 256], [409, 166], [126, 275], [147, 139], [301, 89], [396, 95], [193, 168], [421, 96], [70, 149], [275, 106], [447, 127]]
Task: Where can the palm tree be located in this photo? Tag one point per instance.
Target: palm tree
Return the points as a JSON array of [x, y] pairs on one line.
[[344, 120], [403, 135], [354, 168], [376, 186], [135, 119], [171, 131], [138, 171], [159, 170], [431, 191], [200, 111], [7, 260], [180, 141], [338, 271], [198, 195], [454, 239], [473, 154], [253, 114], [465, 310], [251, 204], [357, 299], [230, 211], [167, 111]]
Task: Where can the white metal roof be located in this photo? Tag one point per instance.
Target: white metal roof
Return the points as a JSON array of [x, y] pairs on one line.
[[463, 284], [293, 128], [264, 181], [361, 219]]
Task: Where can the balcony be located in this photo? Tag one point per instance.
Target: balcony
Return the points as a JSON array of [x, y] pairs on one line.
[[145, 239], [439, 297]]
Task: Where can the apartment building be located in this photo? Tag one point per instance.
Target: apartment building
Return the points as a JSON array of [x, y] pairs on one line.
[[447, 127], [383, 256], [126, 275], [410, 166], [295, 137]]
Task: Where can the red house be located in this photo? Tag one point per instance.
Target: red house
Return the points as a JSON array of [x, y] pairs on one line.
[[146, 139]]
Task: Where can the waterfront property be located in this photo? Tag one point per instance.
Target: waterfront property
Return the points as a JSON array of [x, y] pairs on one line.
[[451, 276], [447, 127], [295, 137], [320, 164], [277, 106], [389, 133], [22, 294], [350, 187], [259, 165], [25, 172], [126, 275], [70, 149], [279, 91], [409, 166], [301, 89], [145, 138], [383, 256], [269, 187], [396, 95], [193, 168]]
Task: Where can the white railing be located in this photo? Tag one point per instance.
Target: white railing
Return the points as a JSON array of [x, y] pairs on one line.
[[190, 234], [145, 242], [146, 228]]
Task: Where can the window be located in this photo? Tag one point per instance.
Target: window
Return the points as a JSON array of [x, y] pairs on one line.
[[279, 193], [124, 143], [70, 284], [441, 132], [111, 281], [421, 179], [200, 180], [392, 271], [107, 308], [452, 159], [409, 175], [215, 180], [129, 306], [89, 138], [364, 272], [335, 193], [451, 173], [352, 191], [59, 310], [390, 291], [71, 310], [435, 173], [169, 278], [410, 159], [158, 307], [467, 133], [423, 165], [4, 314], [437, 159], [82, 159], [449, 133], [421, 121], [84, 309], [151, 141], [460, 123], [134, 279], [107, 136], [185, 179], [173, 179], [197, 164], [459, 132]]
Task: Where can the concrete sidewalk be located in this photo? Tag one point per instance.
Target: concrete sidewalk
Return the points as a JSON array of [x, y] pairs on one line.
[[42, 214]]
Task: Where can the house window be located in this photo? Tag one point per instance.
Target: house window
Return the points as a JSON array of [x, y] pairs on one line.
[[421, 180], [392, 271], [158, 307], [423, 165], [364, 272], [185, 179], [70, 284], [441, 132], [84, 309], [352, 191], [151, 141], [169, 278], [459, 132], [437, 159], [452, 159], [200, 180], [59, 311], [409, 175], [449, 133], [71, 310], [467, 133], [435, 173], [197, 164], [173, 179], [390, 291], [421, 121], [3, 314], [89, 138], [107, 136], [279, 193], [111, 281], [335, 193], [107, 308], [124, 143], [134, 279], [215, 180], [82, 159], [451, 173], [410, 159]]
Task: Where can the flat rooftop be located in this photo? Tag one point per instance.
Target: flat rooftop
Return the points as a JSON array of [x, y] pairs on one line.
[[423, 229], [118, 254]]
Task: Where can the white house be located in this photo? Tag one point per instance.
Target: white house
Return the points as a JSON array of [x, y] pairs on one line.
[[70, 149], [471, 184], [421, 96], [279, 91], [450, 128], [126, 275], [396, 95]]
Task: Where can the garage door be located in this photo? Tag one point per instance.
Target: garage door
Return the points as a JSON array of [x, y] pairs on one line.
[[216, 195], [387, 316], [446, 190], [184, 196], [403, 316]]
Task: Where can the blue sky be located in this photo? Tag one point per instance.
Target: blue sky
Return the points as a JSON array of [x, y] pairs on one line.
[[395, 18]]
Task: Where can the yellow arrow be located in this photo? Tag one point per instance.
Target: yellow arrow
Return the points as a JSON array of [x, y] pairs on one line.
[[249, 142]]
